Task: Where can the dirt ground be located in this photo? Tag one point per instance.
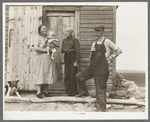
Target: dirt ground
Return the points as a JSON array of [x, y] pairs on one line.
[[66, 107]]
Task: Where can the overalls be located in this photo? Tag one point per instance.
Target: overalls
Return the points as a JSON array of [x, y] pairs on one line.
[[99, 70]]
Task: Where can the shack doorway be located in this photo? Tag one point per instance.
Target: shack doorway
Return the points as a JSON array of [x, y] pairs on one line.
[[58, 21]]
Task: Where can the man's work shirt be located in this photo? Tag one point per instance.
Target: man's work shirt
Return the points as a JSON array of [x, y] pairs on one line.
[[71, 44], [111, 48]]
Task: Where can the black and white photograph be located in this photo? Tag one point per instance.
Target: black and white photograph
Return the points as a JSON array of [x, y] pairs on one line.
[[75, 60]]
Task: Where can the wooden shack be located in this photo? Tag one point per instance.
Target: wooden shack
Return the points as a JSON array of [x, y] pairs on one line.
[[21, 27]]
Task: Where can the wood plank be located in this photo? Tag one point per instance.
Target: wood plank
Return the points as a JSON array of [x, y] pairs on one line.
[[86, 35], [96, 12], [77, 24], [62, 8], [44, 16], [56, 14], [94, 8], [72, 24], [94, 34], [65, 25], [88, 40], [93, 31], [60, 36], [9, 61], [114, 40], [21, 67], [72, 99], [94, 38], [14, 52], [53, 21], [23, 55], [26, 48], [29, 43], [96, 16], [40, 14], [92, 25], [32, 57], [90, 21]]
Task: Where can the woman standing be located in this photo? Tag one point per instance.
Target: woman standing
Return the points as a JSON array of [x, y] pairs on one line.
[[45, 64]]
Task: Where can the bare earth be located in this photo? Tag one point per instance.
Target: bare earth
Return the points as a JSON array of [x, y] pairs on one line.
[[66, 107]]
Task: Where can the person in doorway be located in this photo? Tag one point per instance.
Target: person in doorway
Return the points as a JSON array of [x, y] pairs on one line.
[[71, 50], [45, 64], [100, 58]]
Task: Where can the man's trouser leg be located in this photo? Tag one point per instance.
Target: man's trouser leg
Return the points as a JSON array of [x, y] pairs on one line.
[[101, 87], [67, 73], [73, 72], [81, 78]]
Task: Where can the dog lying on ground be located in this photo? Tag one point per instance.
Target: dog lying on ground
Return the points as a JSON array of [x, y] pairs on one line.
[[129, 85], [11, 88], [132, 89]]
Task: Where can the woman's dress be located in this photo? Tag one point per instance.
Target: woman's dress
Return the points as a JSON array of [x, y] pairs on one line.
[[45, 73]]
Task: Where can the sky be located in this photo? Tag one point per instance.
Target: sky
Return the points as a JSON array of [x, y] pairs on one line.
[[131, 36]]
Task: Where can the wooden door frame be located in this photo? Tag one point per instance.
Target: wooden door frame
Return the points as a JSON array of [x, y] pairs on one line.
[[75, 9]]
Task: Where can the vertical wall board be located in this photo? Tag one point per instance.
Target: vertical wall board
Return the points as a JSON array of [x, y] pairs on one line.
[[114, 40], [19, 34], [6, 38], [10, 44], [72, 19], [65, 24], [58, 61], [32, 53], [14, 46], [77, 24]]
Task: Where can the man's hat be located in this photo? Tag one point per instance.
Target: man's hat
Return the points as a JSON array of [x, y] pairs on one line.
[[99, 27], [69, 29]]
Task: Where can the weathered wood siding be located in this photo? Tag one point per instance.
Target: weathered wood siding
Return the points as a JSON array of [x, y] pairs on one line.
[[21, 63], [6, 39], [21, 28], [89, 17]]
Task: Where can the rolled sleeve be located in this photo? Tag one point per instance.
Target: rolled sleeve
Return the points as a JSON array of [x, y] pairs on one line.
[[115, 48]]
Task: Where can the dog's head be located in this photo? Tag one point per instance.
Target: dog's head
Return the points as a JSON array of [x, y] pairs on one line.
[[13, 84], [123, 83], [127, 83]]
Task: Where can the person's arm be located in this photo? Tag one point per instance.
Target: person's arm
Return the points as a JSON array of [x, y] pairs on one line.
[[37, 48], [116, 51], [40, 50], [92, 49], [56, 42], [77, 49]]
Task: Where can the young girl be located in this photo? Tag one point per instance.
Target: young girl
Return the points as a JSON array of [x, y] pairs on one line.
[[51, 43]]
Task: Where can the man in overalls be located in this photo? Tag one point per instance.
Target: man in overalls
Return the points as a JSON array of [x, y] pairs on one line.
[[99, 68], [71, 49]]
